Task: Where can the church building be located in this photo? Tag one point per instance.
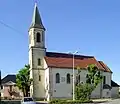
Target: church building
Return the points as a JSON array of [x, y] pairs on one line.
[[52, 71]]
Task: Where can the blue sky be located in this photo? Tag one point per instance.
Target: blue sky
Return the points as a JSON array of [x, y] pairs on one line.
[[90, 26]]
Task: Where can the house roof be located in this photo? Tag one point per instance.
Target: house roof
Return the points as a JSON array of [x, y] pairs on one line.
[[9, 78], [63, 60], [114, 84], [105, 66]]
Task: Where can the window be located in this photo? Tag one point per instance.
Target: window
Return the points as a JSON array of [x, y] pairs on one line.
[[29, 39], [39, 77], [10, 88], [1, 87], [79, 78], [38, 37], [57, 78], [104, 80], [68, 78], [42, 36], [39, 62]]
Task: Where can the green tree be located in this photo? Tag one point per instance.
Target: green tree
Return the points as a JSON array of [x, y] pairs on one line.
[[23, 80], [93, 78]]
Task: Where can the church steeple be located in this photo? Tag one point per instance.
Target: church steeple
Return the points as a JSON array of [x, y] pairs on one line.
[[36, 19]]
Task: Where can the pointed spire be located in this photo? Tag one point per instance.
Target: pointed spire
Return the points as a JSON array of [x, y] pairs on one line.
[[36, 20]]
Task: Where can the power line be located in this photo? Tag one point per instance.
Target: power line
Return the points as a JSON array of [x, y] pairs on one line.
[[10, 27]]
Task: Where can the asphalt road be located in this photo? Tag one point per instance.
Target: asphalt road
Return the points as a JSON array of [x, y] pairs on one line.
[[116, 101]]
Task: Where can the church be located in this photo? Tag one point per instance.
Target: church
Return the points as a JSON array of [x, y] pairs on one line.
[[52, 71]]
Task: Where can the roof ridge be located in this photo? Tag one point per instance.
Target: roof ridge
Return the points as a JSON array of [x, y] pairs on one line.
[[63, 53]]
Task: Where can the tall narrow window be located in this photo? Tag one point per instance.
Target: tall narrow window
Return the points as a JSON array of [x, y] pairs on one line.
[[104, 80], [38, 37], [42, 36], [57, 78], [10, 88], [29, 39], [68, 78], [39, 62], [39, 77], [79, 79]]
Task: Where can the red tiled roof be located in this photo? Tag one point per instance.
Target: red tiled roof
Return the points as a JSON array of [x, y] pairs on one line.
[[105, 66], [68, 62], [63, 60]]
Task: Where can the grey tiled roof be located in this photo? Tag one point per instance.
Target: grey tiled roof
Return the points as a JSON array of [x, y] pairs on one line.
[[113, 84], [9, 78]]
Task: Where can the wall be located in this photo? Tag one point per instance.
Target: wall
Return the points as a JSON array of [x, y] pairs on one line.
[[108, 77], [64, 90], [106, 93], [47, 85], [115, 92], [37, 90], [96, 93], [5, 92]]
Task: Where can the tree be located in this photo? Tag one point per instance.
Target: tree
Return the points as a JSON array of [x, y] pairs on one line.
[[93, 78], [23, 80]]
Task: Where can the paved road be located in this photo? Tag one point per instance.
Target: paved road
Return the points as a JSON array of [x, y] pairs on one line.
[[116, 101]]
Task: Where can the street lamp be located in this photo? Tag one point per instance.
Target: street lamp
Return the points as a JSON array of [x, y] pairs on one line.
[[74, 75]]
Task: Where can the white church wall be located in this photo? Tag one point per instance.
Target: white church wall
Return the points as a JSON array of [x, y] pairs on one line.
[[64, 90], [47, 80], [108, 77], [115, 92], [97, 92], [106, 93]]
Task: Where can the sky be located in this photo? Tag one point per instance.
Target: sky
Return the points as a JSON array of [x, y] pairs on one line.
[[92, 27]]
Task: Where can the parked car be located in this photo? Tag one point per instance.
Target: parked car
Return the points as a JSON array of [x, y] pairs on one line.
[[28, 100]]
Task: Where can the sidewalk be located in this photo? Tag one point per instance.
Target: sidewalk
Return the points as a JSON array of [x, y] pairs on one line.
[[101, 100]]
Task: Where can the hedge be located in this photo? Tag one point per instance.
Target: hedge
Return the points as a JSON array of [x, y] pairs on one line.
[[69, 101]]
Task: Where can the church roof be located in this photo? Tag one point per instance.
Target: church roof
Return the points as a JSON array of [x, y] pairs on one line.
[[63, 60], [36, 20], [114, 84], [105, 66]]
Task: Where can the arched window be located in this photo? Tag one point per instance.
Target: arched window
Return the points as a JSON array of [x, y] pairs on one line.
[[57, 78], [38, 37], [68, 78]]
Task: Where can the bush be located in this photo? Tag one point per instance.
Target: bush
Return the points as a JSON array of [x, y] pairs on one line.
[[69, 101]]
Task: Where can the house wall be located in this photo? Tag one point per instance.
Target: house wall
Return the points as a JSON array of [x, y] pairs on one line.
[[115, 92], [64, 90], [5, 91]]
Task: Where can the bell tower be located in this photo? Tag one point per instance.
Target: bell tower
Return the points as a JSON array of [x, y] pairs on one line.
[[37, 52]]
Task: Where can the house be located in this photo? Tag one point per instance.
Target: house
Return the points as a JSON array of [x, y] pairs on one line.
[[9, 89], [52, 71]]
